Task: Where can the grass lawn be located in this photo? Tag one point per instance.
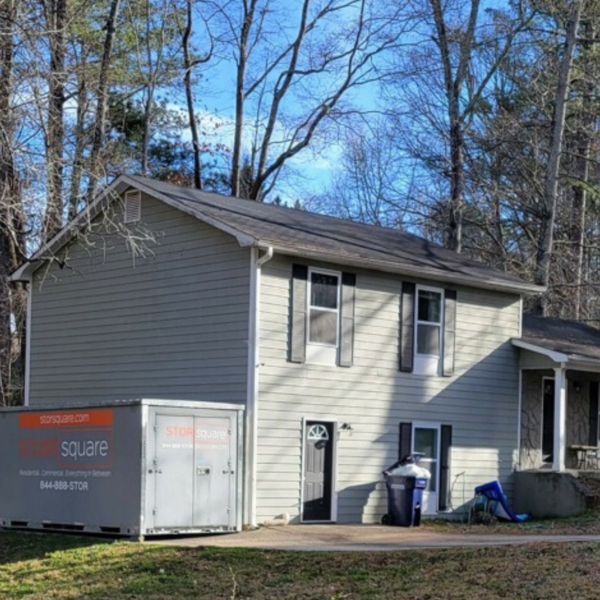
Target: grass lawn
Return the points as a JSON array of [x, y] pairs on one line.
[[585, 524], [51, 567]]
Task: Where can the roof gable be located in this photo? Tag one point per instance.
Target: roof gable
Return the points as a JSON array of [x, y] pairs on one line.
[[301, 233]]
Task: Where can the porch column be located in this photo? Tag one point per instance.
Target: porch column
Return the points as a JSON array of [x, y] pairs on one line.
[[560, 418]]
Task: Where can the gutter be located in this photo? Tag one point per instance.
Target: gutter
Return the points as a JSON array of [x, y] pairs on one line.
[[256, 263], [419, 272]]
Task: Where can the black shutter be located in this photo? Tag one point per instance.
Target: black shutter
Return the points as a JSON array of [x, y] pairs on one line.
[[405, 440], [407, 328], [449, 332], [593, 416], [347, 319], [445, 444], [298, 316]]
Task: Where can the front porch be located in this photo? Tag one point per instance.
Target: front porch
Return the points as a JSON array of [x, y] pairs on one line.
[[559, 382], [558, 419]]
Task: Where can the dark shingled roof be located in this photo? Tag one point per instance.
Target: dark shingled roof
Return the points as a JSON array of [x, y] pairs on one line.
[[577, 340], [317, 236]]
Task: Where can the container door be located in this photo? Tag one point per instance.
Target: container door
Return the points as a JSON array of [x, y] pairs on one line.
[[172, 467], [215, 472], [195, 472]]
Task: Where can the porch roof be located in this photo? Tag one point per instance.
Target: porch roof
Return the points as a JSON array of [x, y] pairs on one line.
[[572, 343]]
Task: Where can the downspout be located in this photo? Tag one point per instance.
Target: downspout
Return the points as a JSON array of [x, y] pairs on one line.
[[520, 402], [517, 461], [256, 264], [27, 375]]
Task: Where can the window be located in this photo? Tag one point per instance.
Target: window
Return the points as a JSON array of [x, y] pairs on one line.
[[428, 330], [323, 316], [433, 441], [425, 441]]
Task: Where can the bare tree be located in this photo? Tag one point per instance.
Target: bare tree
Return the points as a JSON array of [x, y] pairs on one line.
[[296, 84], [189, 62], [451, 68], [243, 51], [12, 298], [100, 124], [56, 22], [367, 185], [585, 139], [453, 81], [546, 236]]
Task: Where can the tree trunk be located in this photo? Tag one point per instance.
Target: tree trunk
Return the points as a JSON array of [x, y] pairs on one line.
[[147, 124], [12, 299], [240, 85], [56, 18], [189, 96], [80, 143], [453, 83], [457, 184], [580, 192], [579, 214], [102, 105], [546, 237]]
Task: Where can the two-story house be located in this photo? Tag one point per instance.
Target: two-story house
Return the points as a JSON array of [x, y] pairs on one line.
[[349, 345]]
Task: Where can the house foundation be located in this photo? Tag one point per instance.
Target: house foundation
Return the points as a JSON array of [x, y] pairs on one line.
[[549, 494]]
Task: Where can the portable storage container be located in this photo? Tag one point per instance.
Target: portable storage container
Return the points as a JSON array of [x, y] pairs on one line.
[[131, 468]]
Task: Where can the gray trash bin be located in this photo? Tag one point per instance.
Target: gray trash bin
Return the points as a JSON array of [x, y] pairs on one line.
[[405, 496]]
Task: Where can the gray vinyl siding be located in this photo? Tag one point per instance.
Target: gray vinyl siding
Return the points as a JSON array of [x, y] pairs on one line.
[[480, 401], [172, 324]]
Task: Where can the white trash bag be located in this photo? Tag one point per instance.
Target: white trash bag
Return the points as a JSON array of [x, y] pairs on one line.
[[411, 470]]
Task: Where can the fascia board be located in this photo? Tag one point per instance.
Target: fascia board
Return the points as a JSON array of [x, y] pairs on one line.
[[558, 357]]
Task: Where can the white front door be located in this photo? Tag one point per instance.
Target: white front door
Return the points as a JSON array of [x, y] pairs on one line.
[[426, 440]]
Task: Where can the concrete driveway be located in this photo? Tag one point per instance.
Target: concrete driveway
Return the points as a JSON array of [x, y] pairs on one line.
[[361, 538]]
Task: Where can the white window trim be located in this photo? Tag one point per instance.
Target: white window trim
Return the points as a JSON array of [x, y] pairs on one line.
[[428, 364], [438, 428], [316, 353]]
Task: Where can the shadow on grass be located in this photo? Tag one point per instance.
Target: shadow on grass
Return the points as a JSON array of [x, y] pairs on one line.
[[587, 523], [18, 546]]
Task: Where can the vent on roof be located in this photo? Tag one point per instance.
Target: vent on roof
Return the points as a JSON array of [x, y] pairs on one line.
[[133, 206]]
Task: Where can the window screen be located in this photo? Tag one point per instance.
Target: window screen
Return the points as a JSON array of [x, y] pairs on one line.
[[324, 309], [429, 322]]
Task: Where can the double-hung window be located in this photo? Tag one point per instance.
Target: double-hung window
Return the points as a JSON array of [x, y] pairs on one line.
[[428, 330], [322, 316], [323, 329]]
